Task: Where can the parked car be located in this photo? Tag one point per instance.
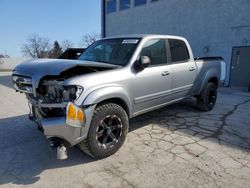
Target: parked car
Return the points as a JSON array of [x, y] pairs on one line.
[[71, 53], [88, 102]]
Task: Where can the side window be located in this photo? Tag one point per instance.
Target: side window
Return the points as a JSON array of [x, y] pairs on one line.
[[178, 50], [155, 49]]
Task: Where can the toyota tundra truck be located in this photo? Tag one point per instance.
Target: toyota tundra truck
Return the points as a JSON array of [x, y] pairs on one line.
[[88, 102]]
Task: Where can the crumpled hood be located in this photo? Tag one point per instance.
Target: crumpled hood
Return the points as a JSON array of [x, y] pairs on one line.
[[38, 68]]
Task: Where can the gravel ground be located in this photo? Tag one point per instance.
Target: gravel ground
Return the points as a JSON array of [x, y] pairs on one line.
[[176, 146]]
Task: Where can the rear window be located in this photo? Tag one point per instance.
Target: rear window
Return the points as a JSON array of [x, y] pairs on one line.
[[178, 50]]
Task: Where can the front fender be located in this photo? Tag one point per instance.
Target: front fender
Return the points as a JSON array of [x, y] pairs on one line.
[[109, 92]]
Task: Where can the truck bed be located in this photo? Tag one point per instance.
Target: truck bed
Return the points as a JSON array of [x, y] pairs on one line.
[[206, 62]]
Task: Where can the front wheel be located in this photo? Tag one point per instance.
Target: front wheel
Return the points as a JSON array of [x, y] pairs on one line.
[[207, 99], [107, 132]]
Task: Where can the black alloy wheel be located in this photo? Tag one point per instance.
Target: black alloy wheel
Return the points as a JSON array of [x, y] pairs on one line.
[[109, 131]]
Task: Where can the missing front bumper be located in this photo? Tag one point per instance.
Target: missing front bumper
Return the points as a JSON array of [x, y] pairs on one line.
[[57, 127]]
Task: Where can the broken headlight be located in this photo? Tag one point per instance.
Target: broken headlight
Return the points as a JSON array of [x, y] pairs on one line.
[[72, 93]]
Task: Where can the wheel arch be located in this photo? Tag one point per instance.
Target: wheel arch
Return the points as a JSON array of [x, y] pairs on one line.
[[118, 101], [214, 80], [115, 95], [209, 77]]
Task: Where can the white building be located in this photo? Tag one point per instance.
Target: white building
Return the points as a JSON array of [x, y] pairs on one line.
[[213, 28], [8, 64]]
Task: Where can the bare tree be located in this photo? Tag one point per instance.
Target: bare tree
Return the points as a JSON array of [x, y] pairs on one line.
[[66, 44], [88, 39], [36, 47], [1, 59]]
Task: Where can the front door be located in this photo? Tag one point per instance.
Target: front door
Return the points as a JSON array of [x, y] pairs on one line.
[[152, 85], [240, 67]]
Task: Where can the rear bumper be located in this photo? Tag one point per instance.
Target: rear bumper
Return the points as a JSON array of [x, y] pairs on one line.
[[57, 128]]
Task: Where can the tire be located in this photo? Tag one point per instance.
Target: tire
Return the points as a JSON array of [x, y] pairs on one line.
[[107, 131], [207, 99]]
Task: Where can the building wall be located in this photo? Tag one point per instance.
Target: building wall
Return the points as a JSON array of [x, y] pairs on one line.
[[8, 64], [212, 27]]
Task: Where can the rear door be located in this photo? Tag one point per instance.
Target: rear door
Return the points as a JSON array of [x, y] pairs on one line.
[[183, 69], [152, 85]]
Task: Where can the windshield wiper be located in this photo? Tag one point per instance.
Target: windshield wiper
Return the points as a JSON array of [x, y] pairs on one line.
[[105, 62]]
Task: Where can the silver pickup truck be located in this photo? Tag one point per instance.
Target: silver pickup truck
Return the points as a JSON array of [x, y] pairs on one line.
[[88, 102]]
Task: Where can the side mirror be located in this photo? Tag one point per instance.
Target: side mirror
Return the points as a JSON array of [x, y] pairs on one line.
[[144, 61]]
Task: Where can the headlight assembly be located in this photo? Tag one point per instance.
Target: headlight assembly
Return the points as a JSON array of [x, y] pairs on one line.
[[72, 93]]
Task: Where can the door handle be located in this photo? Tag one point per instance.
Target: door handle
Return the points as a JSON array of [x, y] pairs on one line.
[[165, 73], [192, 69]]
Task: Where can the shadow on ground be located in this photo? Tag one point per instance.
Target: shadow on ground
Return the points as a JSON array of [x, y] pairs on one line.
[[24, 151], [6, 80], [224, 125]]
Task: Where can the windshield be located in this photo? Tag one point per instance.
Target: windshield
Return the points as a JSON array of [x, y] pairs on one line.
[[111, 51]]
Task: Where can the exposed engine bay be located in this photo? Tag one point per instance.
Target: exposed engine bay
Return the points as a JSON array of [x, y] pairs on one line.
[[52, 95], [53, 91]]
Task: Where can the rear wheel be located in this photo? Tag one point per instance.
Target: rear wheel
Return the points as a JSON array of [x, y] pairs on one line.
[[107, 132], [207, 99]]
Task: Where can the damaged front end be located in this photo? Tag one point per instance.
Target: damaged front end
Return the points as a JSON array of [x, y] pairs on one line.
[[52, 97], [52, 104], [52, 107]]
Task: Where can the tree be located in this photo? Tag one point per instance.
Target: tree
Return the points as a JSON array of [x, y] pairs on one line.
[[56, 50], [36, 47], [4, 56], [89, 39], [66, 44], [1, 59]]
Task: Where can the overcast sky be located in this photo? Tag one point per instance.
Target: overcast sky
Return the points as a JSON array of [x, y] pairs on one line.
[[54, 19]]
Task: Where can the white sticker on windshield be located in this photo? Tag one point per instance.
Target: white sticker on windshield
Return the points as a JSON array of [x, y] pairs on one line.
[[130, 41]]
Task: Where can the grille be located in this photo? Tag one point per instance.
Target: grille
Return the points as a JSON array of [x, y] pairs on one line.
[[22, 83]]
